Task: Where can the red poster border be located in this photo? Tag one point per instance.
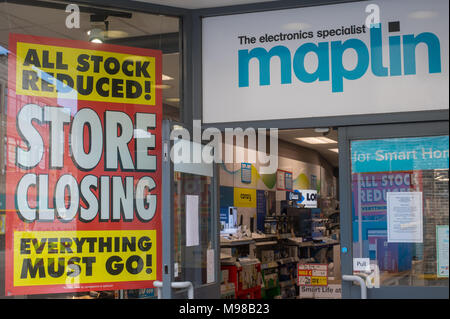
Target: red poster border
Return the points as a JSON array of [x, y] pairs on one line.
[[156, 221], [284, 178]]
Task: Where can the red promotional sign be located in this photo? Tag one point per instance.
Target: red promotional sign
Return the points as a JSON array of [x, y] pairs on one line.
[[83, 175]]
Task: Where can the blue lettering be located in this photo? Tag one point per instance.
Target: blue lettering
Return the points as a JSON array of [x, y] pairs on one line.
[[322, 72], [264, 58], [409, 52], [395, 59], [338, 71], [376, 51]]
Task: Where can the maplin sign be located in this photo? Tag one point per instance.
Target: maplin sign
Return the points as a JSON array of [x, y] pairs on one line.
[[326, 61], [365, 57]]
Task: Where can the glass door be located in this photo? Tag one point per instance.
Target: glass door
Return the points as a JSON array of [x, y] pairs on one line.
[[190, 219], [394, 210]]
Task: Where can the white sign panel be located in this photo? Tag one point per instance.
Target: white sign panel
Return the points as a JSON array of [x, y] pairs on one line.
[[404, 217], [361, 264], [192, 216], [442, 250], [308, 197], [325, 61]]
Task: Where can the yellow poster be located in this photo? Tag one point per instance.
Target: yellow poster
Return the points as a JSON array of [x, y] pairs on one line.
[[244, 197], [82, 74], [74, 257]]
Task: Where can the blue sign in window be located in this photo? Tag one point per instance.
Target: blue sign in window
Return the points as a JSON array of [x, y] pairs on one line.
[[400, 154]]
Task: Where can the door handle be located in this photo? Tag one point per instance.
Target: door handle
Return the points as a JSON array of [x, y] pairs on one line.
[[361, 282], [176, 284]]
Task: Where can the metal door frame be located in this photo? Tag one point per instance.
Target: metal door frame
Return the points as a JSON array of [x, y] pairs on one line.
[[211, 290], [346, 134]]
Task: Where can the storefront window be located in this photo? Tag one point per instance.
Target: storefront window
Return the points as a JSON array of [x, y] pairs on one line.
[[193, 222], [193, 228], [400, 209], [275, 224], [55, 135]]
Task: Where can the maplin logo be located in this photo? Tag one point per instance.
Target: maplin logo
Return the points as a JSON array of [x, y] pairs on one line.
[[365, 56]]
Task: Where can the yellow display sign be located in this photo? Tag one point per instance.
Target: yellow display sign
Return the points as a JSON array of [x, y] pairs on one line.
[[79, 257], [244, 197], [319, 281], [90, 75]]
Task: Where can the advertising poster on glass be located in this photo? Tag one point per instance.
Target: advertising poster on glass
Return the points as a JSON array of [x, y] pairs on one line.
[[83, 173]]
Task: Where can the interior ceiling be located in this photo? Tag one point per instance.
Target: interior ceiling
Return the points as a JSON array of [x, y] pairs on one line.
[[200, 4], [50, 22], [291, 135]]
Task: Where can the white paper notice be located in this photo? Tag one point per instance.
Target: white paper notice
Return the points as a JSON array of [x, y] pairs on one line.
[[404, 217], [192, 233], [442, 250], [210, 266]]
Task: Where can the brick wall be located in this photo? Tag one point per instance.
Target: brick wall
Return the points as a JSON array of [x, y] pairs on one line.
[[436, 212]]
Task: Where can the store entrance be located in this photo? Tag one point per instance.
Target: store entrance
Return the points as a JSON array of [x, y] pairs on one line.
[[394, 221], [280, 232]]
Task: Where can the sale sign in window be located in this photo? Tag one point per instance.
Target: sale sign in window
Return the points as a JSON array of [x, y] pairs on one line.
[[83, 175], [312, 275]]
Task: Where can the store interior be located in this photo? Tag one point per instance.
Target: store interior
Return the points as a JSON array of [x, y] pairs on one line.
[[280, 232], [99, 25]]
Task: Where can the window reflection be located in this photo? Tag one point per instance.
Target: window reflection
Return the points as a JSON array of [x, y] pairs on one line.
[[110, 26], [401, 240]]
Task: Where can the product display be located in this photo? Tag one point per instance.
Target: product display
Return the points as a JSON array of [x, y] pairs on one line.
[[265, 264]]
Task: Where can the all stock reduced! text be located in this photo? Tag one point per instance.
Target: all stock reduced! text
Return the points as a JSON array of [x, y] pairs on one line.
[[92, 75]]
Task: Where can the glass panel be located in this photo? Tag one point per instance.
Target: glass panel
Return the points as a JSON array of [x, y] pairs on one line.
[[400, 209], [118, 27], [193, 223]]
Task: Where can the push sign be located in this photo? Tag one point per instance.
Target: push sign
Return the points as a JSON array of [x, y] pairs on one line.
[[361, 264]]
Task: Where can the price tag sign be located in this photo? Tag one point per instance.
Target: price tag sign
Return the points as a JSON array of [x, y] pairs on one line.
[[312, 275]]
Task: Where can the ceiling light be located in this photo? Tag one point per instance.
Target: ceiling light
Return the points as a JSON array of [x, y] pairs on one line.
[[296, 26], [166, 77], [173, 99], [336, 150], [316, 140], [162, 86], [96, 35], [423, 14], [116, 34], [322, 129]]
